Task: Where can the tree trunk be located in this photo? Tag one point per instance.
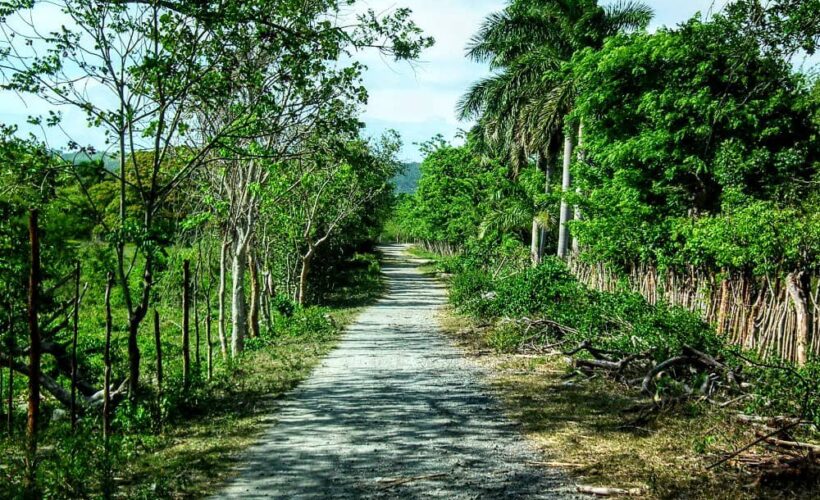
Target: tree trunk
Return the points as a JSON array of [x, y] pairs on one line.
[[106, 410], [546, 164], [798, 296], [10, 403], [195, 295], [106, 416], [210, 351], [34, 356], [158, 347], [186, 305], [303, 277], [133, 356], [221, 296], [255, 296], [577, 209], [239, 308], [566, 181], [74, 335], [267, 279], [534, 257]]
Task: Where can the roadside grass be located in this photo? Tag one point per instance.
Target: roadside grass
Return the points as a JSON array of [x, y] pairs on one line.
[[202, 434], [200, 454], [197, 454], [431, 265], [583, 428]]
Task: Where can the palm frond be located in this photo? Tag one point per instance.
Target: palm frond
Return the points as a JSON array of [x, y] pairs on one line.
[[627, 16], [512, 217]]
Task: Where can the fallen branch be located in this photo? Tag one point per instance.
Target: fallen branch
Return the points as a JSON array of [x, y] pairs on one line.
[[769, 421], [603, 491], [790, 445], [753, 443], [677, 360]]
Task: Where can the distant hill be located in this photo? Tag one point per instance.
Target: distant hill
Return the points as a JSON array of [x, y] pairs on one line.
[[408, 180], [110, 161]]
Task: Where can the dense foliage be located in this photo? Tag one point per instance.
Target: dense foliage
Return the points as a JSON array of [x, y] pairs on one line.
[[229, 198], [697, 152], [689, 195]]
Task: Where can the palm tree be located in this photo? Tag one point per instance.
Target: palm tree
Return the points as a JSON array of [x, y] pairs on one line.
[[523, 105]]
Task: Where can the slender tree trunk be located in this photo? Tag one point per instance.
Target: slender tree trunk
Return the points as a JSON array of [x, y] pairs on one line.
[[563, 229], [289, 279], [239, 308], [798, 296], [255, 296], [195, 296], [208, 321], [10, 402], [221, 298], [34, 355], [303, 277], [209, 314], [268, 295], [577, 209], [107, 363], [158, 347], [534, 257], [106, 413], [547, 167], [75, 334], [186, 316]]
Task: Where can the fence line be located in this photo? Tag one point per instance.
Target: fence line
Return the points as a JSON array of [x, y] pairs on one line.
[[757, 314]]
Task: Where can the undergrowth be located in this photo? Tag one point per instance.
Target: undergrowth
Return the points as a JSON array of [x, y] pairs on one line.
[[183, 443], [624, 322]]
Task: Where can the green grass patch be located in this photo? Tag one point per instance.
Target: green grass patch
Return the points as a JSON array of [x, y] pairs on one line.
[[584, 428], [183, 444]]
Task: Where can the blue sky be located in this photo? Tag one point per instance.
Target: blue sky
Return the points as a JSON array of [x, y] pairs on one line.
[[417, 100]]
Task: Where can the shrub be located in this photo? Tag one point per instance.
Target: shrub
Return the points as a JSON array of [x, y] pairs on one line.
[[623, 321]]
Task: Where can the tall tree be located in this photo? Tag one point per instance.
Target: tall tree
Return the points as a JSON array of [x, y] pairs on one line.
[[522, 107]]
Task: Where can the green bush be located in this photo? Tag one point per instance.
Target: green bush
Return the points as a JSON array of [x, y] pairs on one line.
[[621, 321]]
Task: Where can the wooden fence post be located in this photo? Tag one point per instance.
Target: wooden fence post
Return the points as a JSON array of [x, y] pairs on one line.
[[196, 318], [158, 346], [208, 319], [186, 354], [106, 412], [107, 362], [75, 333]]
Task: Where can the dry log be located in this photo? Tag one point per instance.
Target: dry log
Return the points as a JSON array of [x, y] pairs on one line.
[[603, 491], [64, 396], [613, 366], [814, 449], [777, 421]]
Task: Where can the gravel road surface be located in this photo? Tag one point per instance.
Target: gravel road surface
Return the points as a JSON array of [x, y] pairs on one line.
[[394, 412]]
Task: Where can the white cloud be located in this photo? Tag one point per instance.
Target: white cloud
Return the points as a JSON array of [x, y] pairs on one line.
[[417, 100]]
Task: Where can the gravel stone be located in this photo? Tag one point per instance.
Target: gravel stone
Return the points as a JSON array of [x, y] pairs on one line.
[[394, 411]]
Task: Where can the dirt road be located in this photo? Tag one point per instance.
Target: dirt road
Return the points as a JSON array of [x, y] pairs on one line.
[[394, 412]]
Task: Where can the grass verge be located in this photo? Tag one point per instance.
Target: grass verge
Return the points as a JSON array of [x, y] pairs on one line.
[[204, 433], [583, 428]]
